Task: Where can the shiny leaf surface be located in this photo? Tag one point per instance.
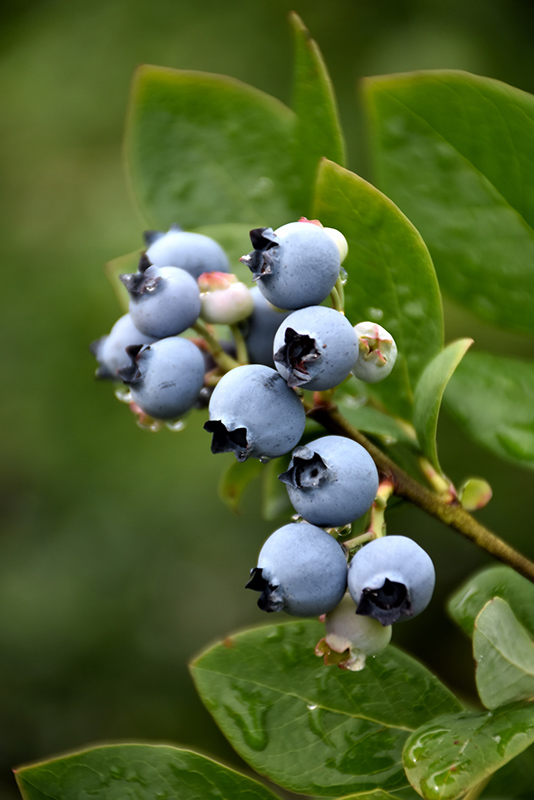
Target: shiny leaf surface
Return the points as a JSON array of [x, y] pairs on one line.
[[311, 728], [492, 398], [454, 753], [391, 279], [454, 151], [136, 771], [429, 393], [468, 601], [205, 149], [504, 654], [317, 130]]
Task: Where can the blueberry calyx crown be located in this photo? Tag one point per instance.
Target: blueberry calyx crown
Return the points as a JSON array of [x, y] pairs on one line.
[[308, 470], [260, 260], [132, 373], [225, 441], [298, 351], [387, 604], [270, 598], [138, 283]]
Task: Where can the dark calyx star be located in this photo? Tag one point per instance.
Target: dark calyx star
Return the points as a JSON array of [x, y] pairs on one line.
[[225, 441], [387, 604], [307, 470], [297, 353]]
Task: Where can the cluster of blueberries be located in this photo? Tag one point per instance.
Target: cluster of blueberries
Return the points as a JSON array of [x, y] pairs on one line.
[[290, 343]]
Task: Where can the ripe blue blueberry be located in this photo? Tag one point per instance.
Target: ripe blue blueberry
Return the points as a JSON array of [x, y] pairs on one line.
[[193, 252], [391, 579], [165, 378], [254, 413], [259, 329], [110, 350], [331, 481], [295, 266], [164, 301], [315, 348], [301, 569]]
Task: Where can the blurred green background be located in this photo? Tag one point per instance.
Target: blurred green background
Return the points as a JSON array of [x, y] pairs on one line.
[[117, 560]]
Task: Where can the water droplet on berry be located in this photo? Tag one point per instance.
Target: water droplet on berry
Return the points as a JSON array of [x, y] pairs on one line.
[[343, 276], [264, 459], [150, 424], [123, 394], [175, 425]]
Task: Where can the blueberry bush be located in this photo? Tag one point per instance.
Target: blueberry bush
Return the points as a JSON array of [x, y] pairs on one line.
[[258, 302]]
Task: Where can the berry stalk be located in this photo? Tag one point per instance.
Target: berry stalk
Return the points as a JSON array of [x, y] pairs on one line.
[[407, 487]]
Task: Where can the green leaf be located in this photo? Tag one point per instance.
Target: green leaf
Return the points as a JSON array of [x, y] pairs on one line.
[[120, 266], [375, 422], [140, 771], [454, 151], [391, 279], [456, 752], [467, 602], [492, 398], [504, 654], [235, 241], [204, 149], [515, 780], [317, 132], [428, 395], [235, 479], [310, 728], [404, 794]]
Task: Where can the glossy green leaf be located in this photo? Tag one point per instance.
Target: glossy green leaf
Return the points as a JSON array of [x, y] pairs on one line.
[[492, 398], [391, 279], [468, 601], [310, 728], [404, 794], [235, 241], [204, 149], [504, 654], [454, 753], [120, 266], [317, 131], [515, 780], [454, 151], [429, 393], [140, 771], [371, 420], [235, 479]]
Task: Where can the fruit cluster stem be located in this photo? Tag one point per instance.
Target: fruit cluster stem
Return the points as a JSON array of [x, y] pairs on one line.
[[407, 487]]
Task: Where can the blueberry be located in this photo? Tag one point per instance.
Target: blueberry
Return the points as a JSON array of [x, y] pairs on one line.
[[391, 579], [331, 481], [254, 413], [193, 252], [110, 350], [377, 352], [224, 299], [315, 348], [295, 266], [301, 569], [165, 378], [164, 301], [351, 636], [259, 329]]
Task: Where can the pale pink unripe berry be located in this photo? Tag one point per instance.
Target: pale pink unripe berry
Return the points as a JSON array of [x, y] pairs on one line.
[[377, 352], [224, 299], [353, 635]]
